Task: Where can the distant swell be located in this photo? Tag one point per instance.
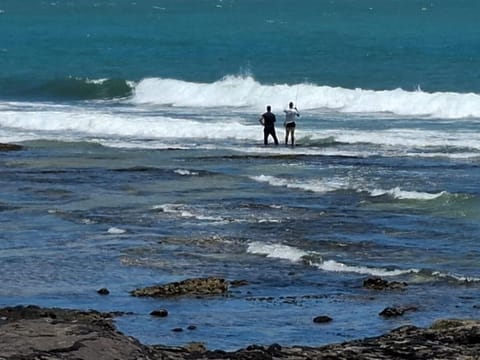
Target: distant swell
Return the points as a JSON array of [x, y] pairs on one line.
[[82, 89], [69, 89], [238, 91]]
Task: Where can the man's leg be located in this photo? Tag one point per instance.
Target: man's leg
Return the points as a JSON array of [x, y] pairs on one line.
[[274, 135]]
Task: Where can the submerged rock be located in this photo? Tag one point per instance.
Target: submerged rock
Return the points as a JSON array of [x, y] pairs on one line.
[[10, 147], [160, 313], [396, 311], [322, 319], [381, 284], [59, 334], [103, 291], [190, 287]]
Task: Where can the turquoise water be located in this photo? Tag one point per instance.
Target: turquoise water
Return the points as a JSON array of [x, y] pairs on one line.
[[373, 44], [144, 163]]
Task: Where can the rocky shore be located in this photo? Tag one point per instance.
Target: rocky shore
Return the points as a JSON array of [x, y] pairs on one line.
[[49, 333]]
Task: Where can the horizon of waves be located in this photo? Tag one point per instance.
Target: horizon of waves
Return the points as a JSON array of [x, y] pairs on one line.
[[244, 91]]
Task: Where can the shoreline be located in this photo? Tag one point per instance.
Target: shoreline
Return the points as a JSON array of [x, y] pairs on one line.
[[32, 332]]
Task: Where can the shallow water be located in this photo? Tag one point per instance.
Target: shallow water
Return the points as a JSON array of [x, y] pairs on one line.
[[143, 163], [304, 231]]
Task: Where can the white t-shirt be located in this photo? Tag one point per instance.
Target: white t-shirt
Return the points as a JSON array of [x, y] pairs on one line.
[[290, 115]]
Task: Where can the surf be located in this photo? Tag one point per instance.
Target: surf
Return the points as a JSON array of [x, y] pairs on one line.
[[246, 91], [296, 255]]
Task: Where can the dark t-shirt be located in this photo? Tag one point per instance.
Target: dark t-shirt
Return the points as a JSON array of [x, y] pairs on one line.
[[269, 119]]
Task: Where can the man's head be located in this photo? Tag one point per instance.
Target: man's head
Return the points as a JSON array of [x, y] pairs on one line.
[[290, 105], [269, 108]]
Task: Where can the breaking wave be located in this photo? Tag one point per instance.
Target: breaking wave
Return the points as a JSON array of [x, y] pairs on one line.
[[295, 255], [245, 91], [326, 185]]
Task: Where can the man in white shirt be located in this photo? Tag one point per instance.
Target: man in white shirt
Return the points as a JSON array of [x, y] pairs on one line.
[[289, 123]]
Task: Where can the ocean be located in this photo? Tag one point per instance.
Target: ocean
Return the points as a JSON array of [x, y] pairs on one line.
[[143, 163]]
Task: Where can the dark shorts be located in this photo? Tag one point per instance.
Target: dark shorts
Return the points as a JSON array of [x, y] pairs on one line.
[[291, 125]]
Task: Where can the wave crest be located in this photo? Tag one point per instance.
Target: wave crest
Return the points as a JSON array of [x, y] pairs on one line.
[[296, 255], [245, 91]]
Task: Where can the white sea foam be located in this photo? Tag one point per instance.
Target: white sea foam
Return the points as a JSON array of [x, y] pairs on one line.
[[185, 211], [456, 277], [398, 193], [293, 254], [332, 265], [317, 186], [228, 110], [247, 92], [278, 251], [115, 230], [76, 122], [400, 137], [185, 172], [326, 185]]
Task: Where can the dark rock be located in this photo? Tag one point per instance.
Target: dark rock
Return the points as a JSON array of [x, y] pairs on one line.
[[196, 347], [254, 347], [238, 283], [190, 287], [390, 312], [396, 311], [178, 329], [381, 284], [322, 319], [42, 333], [191, 327], [103, 291], [274, 349], [35, 312], [10, 147], [159, 313]]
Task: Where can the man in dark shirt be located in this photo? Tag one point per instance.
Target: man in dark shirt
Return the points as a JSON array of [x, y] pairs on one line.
[[268, 121]]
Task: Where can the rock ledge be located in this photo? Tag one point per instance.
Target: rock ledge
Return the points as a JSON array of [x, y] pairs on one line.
[[49, 333]]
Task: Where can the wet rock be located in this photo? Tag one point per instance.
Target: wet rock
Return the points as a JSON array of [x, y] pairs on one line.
[[322, 319], [237, 283], [190, 287], [159, 313], [447, 324], [274, 349], [396, 311], [103, 291], [43, 333], [36, 312], [381, 284], [10, 147], [196, 347]]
